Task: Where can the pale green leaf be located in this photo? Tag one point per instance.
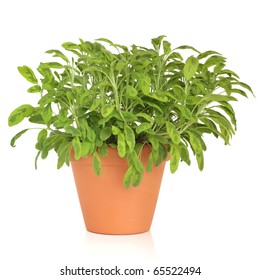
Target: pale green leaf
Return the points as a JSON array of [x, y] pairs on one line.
[[47, 113], [57, 53], [96, 103], [105, 133], [190, 67], [149, 165], [121, 145], [143, 127], [129, 137], [91, 134], [175, 157], [200, 160], [132, 92], [41, 139], [137, 162], [28, 74], [86, 148], [19, 114], [54, 65], [18, 135], [166, 47], [173, 133], [128, 177], [96, 164], [103, 150], [72, 130], [77, 147], [106, 110], [34, 89], [115, 130]]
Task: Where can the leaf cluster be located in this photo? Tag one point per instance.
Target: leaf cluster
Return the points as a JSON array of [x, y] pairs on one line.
[[107, 94]]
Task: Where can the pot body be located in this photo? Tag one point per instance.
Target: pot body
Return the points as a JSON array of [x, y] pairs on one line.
[[108, 207]]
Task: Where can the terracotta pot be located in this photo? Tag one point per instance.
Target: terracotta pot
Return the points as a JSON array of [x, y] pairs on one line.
[[106, 205]]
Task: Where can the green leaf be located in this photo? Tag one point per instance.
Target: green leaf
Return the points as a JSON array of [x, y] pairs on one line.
[[63, 154], [128, 177], [158, 95], [103, 150], [195, 143], [184, 153], [129, 137], [86, 148], [136, 177], [120, 65], [19, 114], [54, 65], [41, 139], [221, 120], [72, 130], [34, 89], [175, 55], [114, 114], [96, 164], [173, 133], [36, 119], [18, 135], [246, 86], [145, 116], [144, 82], [70, 46], [57, 53], [166, 47], [106, 110], [47, 113], [157, 42], [48, 144], [154, 105], [157, 156], [105, 133], [68, 155], [61, 161], [115, 130], [106, 41], [186, 113], [132, 92], [174, 158], [47, 98], [137, 162], [218, 98], [239, 91], [214, 60], [96, 103], [154, 142], [77, 147], [230, 113], [186, 47], [143, 127], [128, 116], [205, 54], [121, 145], [200, 160], [91, 135], [28, 74], [190, 67], [228, 72], [149, 165]]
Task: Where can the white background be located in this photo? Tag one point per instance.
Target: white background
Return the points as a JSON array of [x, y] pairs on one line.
[[208, 219]]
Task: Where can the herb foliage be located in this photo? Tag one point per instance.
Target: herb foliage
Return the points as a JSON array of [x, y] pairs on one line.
[[127, 98]]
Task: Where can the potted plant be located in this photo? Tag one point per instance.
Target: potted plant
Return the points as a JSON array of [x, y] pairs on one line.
[[118, 113]]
